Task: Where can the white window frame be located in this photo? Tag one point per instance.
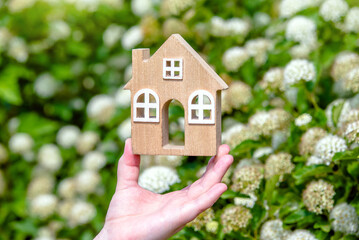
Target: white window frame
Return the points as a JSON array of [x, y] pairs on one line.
[[200, 106], [172, 69], [146, 105]]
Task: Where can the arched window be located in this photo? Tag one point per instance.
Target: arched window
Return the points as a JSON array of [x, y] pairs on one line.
[[146, 106], [201, 108]]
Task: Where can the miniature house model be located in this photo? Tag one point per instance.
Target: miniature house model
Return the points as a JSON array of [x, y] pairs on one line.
[[174, 72]]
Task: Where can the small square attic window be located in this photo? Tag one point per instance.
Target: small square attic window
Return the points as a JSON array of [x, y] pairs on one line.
[[172, 68]]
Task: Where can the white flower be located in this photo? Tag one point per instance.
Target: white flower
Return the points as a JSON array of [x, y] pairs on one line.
[[344, 219], [43, 205], [235, 129], [301, 29], [123, 98], [112, 35], [3, 154], [45, 85], [263, 151], [41, 184], [301, 50], [87, 181], [297, 70], [234, 57], [13, 125], [261, 19], [18, 50], [94, 160], [19, 5], [230, 27], [67, 188], [258, 48], [124, 130], [288, 8], [21, 143], [343, 63], [345, 109], [59, 30], [246, 202], [128, 73], [303, 119], [158, 179], [45, 233], [81, 213], [352, 20], [101, 108], [328, 146], [333, 10], [141, 7], [132, 37], [49, 157], [278, 138], [67, 136], [87, 141], [314, 160], [301, 235], [273, 230]]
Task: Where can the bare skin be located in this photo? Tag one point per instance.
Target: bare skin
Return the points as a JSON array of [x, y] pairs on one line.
[[136, 213]]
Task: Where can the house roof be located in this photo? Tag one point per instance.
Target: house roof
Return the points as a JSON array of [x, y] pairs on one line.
[[177, 37]]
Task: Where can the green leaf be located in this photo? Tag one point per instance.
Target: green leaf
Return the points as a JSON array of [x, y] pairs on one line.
[[297, 216], [336, 111], [305, 173], [269, 188], [9, 88], [229, 194], [324, 226], [36, 125], [347, 155], [353, 169], [245, 147]]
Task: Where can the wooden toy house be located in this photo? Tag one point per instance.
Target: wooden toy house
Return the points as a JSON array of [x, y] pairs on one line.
[[174, 72]]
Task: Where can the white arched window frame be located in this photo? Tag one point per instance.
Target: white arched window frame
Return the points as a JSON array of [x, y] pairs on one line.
[[196, 110], [146, 111]]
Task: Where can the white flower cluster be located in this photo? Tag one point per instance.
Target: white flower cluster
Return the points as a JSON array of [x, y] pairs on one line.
[[230, 27], [124, 129], [333, 10], [273, 80], [344, 219], [21, 143], [158, 179], [49, 157], [101, 108], [303, 119], [288, 8], [328, 146], [132, 37], [301, 234], [67, 136], [45, 85], [297, 70], [257, 48], [112, 35], [352, 20], [234, 58], [273, 230], [301, 29]]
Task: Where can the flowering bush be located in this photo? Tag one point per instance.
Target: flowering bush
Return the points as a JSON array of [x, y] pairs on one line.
[[290, 115]]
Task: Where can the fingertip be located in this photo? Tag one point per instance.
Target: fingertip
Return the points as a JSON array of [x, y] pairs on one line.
[[222, 187], [223, 150]]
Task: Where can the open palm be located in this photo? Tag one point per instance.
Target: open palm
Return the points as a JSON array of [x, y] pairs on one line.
[[136, 213]]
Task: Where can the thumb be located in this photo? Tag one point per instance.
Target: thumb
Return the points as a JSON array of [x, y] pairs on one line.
[[128, 167]]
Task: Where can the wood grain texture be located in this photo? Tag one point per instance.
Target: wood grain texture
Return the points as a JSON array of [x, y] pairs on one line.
[[151, 138]]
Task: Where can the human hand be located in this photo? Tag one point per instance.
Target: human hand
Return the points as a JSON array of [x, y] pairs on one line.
[[136, 213]]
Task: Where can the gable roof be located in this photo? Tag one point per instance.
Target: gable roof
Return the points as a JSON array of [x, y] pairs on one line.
[[178, 38]]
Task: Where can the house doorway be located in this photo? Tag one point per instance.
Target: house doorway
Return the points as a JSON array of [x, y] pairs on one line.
[[173, 124]]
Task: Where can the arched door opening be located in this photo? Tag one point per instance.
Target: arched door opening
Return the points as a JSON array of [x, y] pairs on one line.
[[173, 124]]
